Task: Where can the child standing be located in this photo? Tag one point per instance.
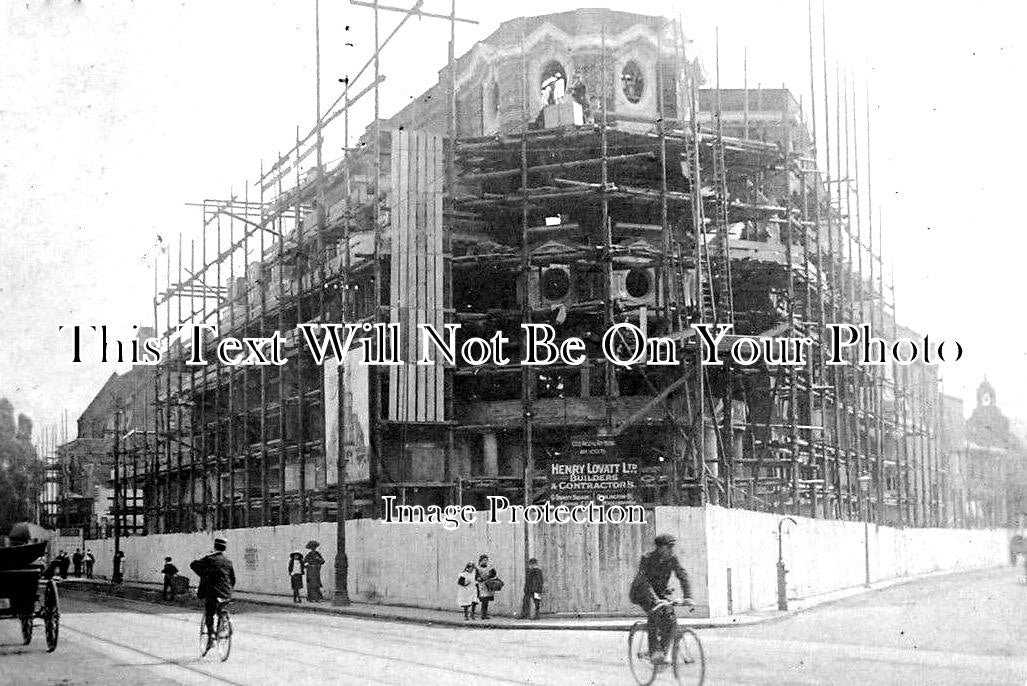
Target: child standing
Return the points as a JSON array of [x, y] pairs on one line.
[[467, 592], [296, 575], [169, 571], [533, 585]]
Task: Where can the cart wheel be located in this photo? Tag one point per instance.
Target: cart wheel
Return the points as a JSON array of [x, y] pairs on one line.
[[26, 629], [51, 615]]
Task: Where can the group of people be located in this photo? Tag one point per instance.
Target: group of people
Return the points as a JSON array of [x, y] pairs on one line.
[[309, 566], [79, 561], [300, 566], [477, 584]]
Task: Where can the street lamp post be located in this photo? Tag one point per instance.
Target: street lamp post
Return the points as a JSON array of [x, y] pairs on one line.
[[782, 594], [864, 487], [116, 510]]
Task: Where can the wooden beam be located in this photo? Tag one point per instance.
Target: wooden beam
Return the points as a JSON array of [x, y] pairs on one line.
[[648, 407], [415, 11]]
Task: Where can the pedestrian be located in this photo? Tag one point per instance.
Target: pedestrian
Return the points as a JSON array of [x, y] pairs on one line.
[[217, 579], [53, 568], [296, 574], [533, 584], [466, 591], [76, 561], [117, 567], [650, 589], [89, 562], [169, 573], [488, 584], [65, 564], [313, 562]]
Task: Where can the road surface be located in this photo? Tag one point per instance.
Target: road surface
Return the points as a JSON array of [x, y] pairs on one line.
[[961, 629]]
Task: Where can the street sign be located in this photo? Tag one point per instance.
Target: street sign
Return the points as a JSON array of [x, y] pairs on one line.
[[589, 468]]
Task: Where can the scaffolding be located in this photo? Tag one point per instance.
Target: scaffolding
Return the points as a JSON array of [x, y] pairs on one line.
[[685, 216]]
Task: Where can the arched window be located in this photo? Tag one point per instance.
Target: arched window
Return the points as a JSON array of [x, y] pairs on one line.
[[553, 82], [494, 98], [632, 81]]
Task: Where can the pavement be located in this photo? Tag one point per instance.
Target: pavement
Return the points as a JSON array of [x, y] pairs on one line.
[[425, 616], [953, 629]]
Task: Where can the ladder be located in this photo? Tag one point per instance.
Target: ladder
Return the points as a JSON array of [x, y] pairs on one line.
[[722, 262]]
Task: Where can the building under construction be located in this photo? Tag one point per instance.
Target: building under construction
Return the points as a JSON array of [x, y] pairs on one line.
[[579, 169]]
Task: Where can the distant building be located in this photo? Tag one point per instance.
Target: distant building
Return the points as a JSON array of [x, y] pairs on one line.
[[85, 465], [987, 464]]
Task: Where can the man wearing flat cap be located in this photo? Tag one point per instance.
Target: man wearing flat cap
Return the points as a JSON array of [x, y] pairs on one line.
[[217, 578], [651, 586]]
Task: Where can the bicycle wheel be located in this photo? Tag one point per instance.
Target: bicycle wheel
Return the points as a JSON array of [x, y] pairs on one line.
[[689, 660], [203, 635], [642, 667], [224, 636]]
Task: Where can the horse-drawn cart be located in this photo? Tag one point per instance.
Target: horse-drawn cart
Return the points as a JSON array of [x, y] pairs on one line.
[[25, 595]]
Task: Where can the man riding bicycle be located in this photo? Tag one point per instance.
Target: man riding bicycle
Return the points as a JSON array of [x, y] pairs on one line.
[[650, 589], [217, 578]]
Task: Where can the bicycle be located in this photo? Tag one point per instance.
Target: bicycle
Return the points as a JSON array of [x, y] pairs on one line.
[[687, 659], [222, 632]]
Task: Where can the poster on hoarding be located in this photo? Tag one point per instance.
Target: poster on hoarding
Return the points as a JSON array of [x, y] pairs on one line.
[[348, 382], [589, 468]]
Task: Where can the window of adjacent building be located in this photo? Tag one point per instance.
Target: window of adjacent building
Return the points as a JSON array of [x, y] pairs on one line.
[[553, 82], [494, 98], [667, 78], [632, 81]]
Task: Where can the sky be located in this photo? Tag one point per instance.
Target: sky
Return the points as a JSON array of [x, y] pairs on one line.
[[115, 114]]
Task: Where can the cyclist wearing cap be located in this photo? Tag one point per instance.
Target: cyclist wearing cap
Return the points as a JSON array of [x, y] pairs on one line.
[[651, 586], [217, 577]]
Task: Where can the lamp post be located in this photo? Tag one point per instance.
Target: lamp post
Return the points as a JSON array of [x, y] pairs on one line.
[[864, 487], [116, 510], [782, 595]]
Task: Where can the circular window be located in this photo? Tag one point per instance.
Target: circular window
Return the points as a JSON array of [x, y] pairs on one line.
[[632, 81], [556, 284], [553, 82], [638, 283]]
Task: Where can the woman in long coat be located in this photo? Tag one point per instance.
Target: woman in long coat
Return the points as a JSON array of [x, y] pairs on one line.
[[486, 595], [118, 568], [313, 562], [296, 574]]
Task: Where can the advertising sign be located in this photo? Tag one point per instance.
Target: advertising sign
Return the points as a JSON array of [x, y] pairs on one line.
[[346, 388], [590, 468]]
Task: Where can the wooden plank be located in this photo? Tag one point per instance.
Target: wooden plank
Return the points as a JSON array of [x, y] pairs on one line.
[[440, 271], [416, 273], [425, 394], [410, 275], [394, 204], [430, 303], [416, 393], [419, 373], [404, 388]]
